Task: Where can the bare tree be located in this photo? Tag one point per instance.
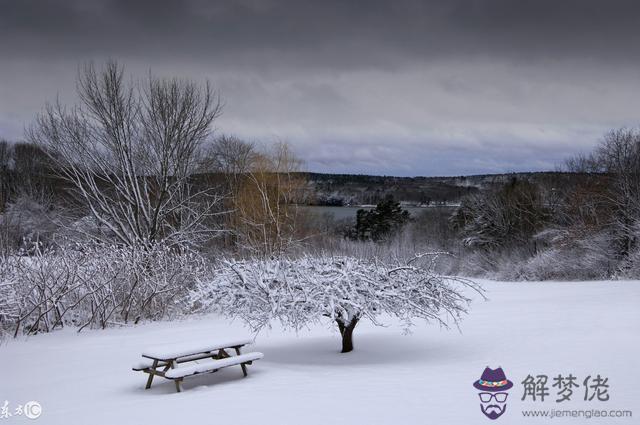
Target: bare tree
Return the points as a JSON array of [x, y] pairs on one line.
[[5, 154], [605, 205], [232, 157], [266, 215], [227, 162], [502, 218], [130, 151], [619, 157], [582, 163], [5, 157], [264, 185]]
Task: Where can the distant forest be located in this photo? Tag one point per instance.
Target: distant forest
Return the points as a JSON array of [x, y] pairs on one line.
[[26, 169], [360, 189]]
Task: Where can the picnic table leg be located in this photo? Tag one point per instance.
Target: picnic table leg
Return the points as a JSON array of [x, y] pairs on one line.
[[150, 379], [242, 365], [177, 381]]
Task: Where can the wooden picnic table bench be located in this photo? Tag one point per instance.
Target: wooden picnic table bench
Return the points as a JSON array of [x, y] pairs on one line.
[[200, 358]]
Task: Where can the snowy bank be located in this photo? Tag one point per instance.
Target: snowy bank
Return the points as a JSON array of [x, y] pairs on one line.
[[584, 328]]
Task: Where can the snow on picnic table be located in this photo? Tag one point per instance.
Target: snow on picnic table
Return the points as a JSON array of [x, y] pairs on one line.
[[583, 328], [172, 351], [208, 365]]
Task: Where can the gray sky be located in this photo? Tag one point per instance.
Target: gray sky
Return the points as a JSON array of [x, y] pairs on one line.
[[381, 87]]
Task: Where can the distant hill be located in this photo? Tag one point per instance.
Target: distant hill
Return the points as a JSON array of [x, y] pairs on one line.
[[325, 189], [359, 189]]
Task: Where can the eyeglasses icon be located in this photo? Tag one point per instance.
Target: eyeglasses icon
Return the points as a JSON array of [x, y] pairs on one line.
[[499, 397]]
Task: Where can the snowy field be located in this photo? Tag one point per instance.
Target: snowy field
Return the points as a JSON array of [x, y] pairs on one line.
[[426, 377]]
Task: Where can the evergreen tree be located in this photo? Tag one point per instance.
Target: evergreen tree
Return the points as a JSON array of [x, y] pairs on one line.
[[378, 223]]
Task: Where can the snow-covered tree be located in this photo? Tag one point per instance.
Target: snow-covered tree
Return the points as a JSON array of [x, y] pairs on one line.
[[131, 153], [345, 290], [501, 218]]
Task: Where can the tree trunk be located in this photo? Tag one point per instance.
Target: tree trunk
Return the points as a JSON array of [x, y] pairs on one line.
[[347, 334]]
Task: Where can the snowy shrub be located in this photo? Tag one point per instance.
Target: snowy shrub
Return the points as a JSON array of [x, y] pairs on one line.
[[133, 284], [9, 309], [501, 218], [630, 267], [569, 257], [300, 291], [45, 285], [95, 286]]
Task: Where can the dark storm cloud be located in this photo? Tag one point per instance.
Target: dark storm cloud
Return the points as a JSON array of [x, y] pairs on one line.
[[402, 29], [369, 86]]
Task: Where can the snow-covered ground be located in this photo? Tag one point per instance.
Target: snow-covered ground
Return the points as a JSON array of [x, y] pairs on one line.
[[584, 328]]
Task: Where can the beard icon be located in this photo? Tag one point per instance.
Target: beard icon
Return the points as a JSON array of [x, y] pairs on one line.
[[493, 386], [493, 411]]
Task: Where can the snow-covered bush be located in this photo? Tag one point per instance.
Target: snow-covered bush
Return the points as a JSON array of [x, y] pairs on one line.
[[9, 308], [304, 290], [130, 284], [630, 267], [570, 258], [94, 285]]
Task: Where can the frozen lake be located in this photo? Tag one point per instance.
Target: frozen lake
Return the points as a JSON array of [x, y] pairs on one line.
[[340, 213]]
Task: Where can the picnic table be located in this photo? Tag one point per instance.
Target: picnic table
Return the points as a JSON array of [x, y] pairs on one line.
[[197, 358]]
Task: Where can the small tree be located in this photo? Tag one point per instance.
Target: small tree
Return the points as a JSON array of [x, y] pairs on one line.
[[345, 290], [264, 185]]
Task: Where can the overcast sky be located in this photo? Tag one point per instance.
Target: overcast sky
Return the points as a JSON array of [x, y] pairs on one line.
[[381, 87]]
